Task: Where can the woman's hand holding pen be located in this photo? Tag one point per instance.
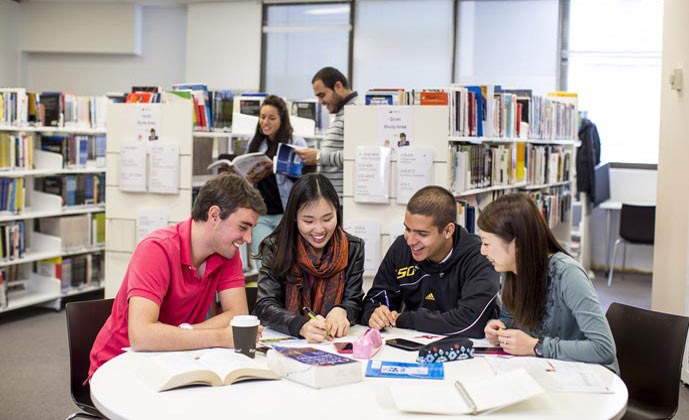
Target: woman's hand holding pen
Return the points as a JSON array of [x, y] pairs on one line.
[[315, 330], [517, 342], [491, 331], [382, 317], [336, 322]]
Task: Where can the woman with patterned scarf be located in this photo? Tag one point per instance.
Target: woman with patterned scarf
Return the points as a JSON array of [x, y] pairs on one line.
[[310, 262]]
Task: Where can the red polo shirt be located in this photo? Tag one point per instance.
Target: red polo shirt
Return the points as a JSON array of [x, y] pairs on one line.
[[160, 270]]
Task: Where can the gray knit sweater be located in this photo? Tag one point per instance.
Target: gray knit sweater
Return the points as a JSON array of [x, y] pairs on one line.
[[332, 147], [573, 326]]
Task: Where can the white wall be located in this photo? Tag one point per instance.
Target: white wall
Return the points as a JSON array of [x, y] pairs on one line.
[[9, 53], [224, 45], [671, 276], [161, 63], [633, 186]]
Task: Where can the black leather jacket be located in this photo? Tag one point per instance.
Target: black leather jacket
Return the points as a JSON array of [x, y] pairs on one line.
[[270, 302]]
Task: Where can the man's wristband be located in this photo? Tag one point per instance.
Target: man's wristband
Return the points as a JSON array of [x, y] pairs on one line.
[[186, 326]]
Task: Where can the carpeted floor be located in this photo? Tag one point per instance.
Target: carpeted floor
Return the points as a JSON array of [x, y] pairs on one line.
[[34, 364]]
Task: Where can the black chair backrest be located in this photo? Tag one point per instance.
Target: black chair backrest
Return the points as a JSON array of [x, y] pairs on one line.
[[251, 295], [650, 346], [638, 223], [84, 321]]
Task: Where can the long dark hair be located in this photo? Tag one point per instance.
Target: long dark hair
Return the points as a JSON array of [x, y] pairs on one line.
[[284, 133], [515, 216], [308, 189]]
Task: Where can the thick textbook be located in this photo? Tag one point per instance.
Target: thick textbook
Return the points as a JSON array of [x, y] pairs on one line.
[[214, 367], [313, 367], [467, 398], [252, 166]]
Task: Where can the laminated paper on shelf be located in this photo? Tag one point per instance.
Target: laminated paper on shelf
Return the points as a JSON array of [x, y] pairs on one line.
[[369, 231], [164, 176], [414, 171], [149, 220], [372, 178], [133, 167]]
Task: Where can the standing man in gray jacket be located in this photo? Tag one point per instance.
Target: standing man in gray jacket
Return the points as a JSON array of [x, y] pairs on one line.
[[333, 91]]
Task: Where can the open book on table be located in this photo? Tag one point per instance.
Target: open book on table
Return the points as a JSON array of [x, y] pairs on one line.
[[467, 398], [215, 367]]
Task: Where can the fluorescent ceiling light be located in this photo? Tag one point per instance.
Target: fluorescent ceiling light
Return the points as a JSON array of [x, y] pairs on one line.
[[328, 11]]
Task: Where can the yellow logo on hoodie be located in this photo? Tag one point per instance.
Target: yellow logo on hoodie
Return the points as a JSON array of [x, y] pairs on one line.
[[430, 296]]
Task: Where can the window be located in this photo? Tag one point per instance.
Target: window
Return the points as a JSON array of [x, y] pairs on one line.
[[507, 42], [614, 66], [403, 44], [301, 39]]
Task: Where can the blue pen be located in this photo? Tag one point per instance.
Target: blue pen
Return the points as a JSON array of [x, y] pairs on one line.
[[387, 302]]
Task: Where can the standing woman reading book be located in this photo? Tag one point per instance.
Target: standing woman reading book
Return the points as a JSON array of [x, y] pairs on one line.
[[272, 129], [310, 261], [549, 306]]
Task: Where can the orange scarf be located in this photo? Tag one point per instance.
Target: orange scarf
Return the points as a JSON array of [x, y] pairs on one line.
[[318, 282]]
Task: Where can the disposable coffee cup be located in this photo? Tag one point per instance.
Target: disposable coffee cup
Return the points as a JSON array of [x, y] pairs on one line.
[[244, 331]]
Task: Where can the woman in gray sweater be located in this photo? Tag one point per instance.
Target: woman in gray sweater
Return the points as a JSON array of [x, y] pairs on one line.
[[549, 306]]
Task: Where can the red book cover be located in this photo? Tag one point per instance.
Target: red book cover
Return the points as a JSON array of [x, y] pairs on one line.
[[433, 98], [139, 97]]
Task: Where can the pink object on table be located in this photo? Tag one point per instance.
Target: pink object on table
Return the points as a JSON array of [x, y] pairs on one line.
[[367, 344]]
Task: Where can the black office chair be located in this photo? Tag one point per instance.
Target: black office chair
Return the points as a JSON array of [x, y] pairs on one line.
[[637, 226], [251, 295], [84, 321], [650, 346]]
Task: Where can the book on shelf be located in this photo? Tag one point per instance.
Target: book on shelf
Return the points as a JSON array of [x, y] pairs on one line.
[[433, 97], [385, 97], [461, 397], [313, 367], [201, 101], [252, 166], [162, 371], [3, 291], [142, 98], [151, 89], [16, 151], [287, 162], [249, 103], [12, 195], [53, 109], [98, 229], [312, 110], [13, 240], [52, 267], [222, 105]]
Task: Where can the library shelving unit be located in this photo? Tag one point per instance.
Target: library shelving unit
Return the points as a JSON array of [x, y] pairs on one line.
[[175, 127], [429, 128], [27, 287]]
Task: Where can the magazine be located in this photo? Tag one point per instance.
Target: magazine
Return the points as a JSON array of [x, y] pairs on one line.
[[252, 166], [287, 161]]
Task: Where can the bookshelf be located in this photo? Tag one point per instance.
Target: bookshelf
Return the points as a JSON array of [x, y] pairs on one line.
[[430, 130], [28, 283]]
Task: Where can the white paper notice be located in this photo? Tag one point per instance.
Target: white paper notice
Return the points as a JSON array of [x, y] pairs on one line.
[[147, 122], [149, 220], [133, 167], [369, 231], [414, 171], [164, 168], [395, 126], [372, 175]]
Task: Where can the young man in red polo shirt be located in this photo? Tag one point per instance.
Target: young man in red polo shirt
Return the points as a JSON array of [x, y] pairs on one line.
[[175, 271]]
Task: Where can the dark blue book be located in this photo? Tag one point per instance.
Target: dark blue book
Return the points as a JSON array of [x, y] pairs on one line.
[[287, 161]]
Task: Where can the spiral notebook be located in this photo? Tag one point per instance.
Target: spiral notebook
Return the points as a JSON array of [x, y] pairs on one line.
[[477, 397]]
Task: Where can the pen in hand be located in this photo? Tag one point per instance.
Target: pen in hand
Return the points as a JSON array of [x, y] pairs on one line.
[[311, 315]]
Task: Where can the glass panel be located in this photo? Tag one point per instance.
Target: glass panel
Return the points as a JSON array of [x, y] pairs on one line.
[[507, 42], [615, 67], [300, 40], [405, 44]]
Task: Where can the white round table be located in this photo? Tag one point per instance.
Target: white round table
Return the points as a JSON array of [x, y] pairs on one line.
[[119, 394]]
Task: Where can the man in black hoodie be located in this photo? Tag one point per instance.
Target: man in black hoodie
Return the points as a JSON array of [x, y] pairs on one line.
[[436, 270]]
